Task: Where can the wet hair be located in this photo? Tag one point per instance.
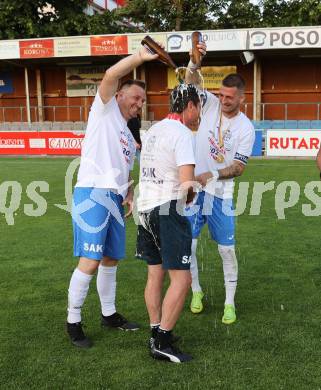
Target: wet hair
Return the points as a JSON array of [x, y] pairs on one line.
[[181, 95], [130, 82], [234, 80]]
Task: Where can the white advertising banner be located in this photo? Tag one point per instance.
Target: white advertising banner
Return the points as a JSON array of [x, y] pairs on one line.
[[9, 49], [284, 38], [216, 40], [70, 47], [291, 143], [134, 40]]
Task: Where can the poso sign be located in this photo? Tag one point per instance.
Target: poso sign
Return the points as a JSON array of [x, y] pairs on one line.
[[290, 38]]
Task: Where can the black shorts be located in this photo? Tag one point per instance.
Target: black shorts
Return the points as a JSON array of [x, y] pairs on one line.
[[165, 239]]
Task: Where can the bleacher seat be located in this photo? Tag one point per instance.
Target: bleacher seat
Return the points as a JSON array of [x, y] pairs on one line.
[[306, 124], [265, 124], [278, 124], [256, 124], [316, 124], [291, 124], [57, 126], [79, 125]]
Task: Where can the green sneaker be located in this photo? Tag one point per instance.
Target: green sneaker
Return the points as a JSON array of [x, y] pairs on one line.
[[229, 315], [196, 304]]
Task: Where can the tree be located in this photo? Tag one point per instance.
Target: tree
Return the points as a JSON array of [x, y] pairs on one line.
[[237, 14], [167, 15]]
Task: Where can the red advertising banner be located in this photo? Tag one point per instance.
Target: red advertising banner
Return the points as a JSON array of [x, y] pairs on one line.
[[40, 143], [37, 48], [109, 45]]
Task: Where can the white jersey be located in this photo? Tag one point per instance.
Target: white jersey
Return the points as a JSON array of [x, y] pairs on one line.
[[166, 146], [108, 149], [238, 136]]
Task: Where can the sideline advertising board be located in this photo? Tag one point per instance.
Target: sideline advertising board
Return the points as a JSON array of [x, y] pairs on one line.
[[41, 143], [292, 143]]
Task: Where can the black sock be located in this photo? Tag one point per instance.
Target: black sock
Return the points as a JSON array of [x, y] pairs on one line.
[[163, 338], [154, 330]]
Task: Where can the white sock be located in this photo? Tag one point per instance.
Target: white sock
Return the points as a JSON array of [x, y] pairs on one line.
[[194, 268], [106, 287], [78, 289], [230, 268]]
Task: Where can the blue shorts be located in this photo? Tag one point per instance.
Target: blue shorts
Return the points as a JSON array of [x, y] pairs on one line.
[[98, 223], [217, 213]]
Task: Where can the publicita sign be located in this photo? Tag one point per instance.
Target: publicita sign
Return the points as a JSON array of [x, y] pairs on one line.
[[291, 143]]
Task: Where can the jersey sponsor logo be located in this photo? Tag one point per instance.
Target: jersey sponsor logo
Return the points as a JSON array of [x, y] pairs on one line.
[[149, 172], [215, 149], [240, 157], [93, 248], [127, 145], [186, 259]]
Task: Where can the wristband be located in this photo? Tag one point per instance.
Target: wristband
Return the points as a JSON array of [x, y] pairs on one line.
[[192, 66]]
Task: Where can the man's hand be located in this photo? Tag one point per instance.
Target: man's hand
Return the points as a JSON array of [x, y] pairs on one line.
[[129, 202], [201, 48], [203, 178], [146, 55]]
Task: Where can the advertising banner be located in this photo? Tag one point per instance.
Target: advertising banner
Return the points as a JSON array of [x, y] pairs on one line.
[[9, 49], [41, 143], [6, 85], [216, 40], [284, 38], [134, 41], [72, 47], [291, 143], [109, 45], [36, 48], [213, 76], [84, 81]]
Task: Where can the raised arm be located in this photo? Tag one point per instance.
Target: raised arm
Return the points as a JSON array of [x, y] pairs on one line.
[[109, 84], [192, 75]]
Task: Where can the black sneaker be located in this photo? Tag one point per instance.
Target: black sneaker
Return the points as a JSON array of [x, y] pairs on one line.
[[171, 354], [117, 321], [77, 335]]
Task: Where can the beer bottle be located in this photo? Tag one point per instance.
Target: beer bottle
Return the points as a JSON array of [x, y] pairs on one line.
[[196, 38], [155, 48]]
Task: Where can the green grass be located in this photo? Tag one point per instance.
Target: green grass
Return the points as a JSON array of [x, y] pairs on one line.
[[275, 343]]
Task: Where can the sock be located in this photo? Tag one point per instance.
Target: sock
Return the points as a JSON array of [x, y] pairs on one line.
[[154, 330], [106, 287], [194, 268], [230, 268], [78, 289], [163, 338]]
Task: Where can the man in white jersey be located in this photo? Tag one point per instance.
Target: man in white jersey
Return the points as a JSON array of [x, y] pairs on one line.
[[164, 238], [101, 191], [224, 142]]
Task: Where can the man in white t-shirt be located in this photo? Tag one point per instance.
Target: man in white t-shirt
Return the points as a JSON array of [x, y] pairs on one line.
[[224, 143], [164, 238], [102, 189]]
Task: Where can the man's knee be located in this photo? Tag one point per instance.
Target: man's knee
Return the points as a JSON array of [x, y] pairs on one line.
[[181, 278], [108, 262], [88, 266]]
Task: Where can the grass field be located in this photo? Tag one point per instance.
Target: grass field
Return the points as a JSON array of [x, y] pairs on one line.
[[275, 343]]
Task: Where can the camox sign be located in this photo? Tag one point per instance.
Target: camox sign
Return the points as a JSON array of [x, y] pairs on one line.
[[41, 142], [300, 143]]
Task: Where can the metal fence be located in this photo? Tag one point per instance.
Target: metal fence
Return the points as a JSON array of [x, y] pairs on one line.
[[283, 111]]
